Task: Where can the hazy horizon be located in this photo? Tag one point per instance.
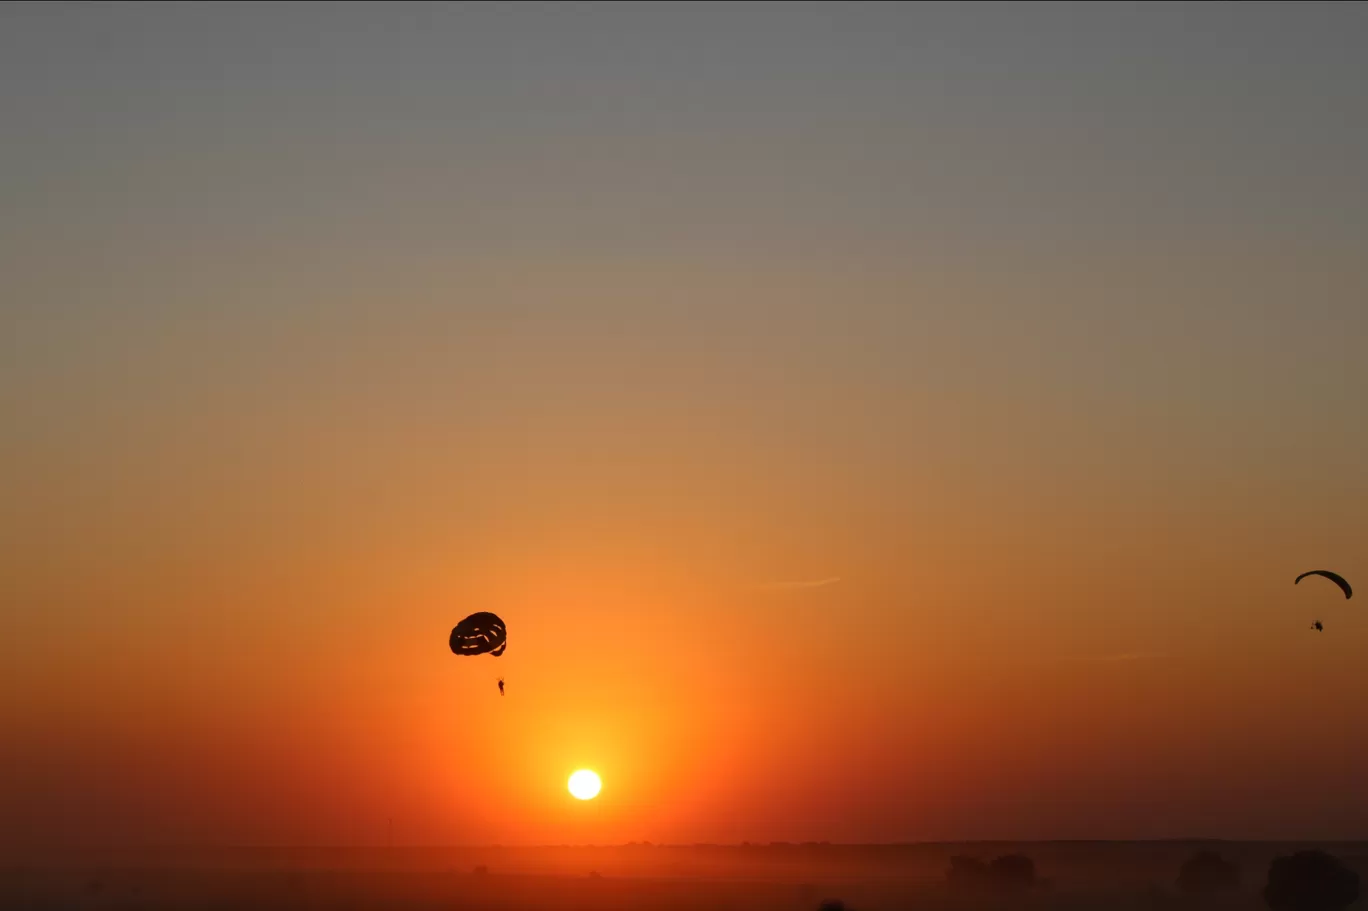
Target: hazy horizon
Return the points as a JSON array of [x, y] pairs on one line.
[[875, 423]]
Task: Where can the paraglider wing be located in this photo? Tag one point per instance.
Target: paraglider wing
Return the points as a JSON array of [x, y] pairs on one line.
[[1333, 577], [479, 634]]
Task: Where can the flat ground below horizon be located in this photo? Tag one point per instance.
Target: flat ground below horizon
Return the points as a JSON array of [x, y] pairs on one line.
[[1075, 875]]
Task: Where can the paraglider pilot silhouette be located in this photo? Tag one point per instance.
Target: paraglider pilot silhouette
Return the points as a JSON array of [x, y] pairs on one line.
[[1333, 577], [500, 686]]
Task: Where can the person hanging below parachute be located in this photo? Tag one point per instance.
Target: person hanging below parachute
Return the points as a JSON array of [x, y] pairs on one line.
[[481, 633]]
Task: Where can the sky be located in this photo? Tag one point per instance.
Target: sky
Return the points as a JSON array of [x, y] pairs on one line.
[[874, 423]]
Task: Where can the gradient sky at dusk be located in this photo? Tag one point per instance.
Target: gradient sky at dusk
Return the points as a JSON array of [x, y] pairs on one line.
[[1040, 329]]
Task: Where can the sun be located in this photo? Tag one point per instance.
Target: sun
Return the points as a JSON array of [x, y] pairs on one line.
[[584, 785]]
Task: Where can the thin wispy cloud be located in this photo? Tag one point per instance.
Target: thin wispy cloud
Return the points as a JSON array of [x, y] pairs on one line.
[[788, 586]]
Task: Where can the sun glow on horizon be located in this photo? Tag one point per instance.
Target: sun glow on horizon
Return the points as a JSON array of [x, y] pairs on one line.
[[584, 784]]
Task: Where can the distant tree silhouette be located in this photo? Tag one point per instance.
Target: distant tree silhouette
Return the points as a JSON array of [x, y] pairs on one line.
[[967, 873], [1013, 872], [1207, 873], [1310, 881], [1009, 873]]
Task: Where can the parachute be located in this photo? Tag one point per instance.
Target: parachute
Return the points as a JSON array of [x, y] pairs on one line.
[[479, 634], [1333, 577]]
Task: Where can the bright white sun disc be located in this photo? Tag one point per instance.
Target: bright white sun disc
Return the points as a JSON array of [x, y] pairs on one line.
[[584, 785]]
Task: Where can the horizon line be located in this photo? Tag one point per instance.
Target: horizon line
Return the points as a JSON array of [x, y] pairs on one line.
[[334, 846]]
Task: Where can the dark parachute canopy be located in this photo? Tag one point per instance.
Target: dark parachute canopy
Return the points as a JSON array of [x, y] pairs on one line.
[[479, 634], [1333, 577]]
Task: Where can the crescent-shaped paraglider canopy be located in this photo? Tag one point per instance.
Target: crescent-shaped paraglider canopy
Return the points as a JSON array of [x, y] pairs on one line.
[[1333, 577], [480, 634]]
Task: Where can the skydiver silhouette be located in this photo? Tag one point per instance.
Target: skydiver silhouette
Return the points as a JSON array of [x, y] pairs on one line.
[[1315, 626], [501, 686]]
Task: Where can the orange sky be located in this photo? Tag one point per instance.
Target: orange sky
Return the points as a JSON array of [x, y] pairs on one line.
[[299, 374]]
